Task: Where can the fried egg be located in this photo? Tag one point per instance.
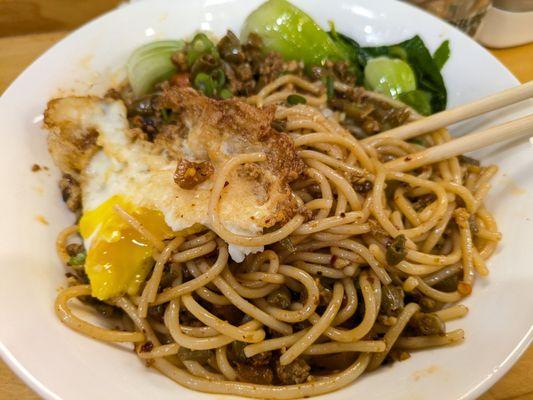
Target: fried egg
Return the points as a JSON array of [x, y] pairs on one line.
[[119, 257], [127, 172]]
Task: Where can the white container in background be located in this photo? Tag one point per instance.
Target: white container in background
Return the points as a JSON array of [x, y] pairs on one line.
[[508, 23]]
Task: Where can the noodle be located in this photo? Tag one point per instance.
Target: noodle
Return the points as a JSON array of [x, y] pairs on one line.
[[312, 297], [453, 312], [219, 325], [198, 282], [203, 343], [328, 281], [393, 334], [61, 242], [318, 328], [320, 386], [224, 365], [334, 347], [150, 290], [423, 342], [66, 316]]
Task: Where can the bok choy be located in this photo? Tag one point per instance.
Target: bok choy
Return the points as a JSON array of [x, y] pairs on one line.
[[405, 70], [389, 76], [287, 29], [431, 93], [151, 64]]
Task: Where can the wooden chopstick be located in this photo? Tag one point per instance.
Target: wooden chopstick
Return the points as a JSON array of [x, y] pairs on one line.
[[457, 114], [464, 144]]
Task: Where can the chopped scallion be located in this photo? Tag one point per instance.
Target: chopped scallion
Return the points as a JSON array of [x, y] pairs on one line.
[[204, 84], [78, 259], [225, 94], [294, 99]]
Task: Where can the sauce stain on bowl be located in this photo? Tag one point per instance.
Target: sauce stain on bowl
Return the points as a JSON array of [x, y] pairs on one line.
[[511, 186], [417, 375]]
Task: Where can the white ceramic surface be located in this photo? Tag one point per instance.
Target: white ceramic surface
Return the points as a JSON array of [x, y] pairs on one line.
[[502, 28], [60, 364]]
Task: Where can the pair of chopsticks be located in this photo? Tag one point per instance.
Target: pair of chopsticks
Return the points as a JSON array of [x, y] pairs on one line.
[[473, 141]]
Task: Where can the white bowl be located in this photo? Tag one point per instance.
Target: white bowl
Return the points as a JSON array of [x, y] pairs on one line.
[[61, 364]]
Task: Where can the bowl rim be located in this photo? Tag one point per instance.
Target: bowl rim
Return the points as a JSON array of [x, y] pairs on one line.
[[41, 388]]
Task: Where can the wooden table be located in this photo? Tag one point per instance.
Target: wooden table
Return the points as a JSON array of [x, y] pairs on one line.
[[37, 24]]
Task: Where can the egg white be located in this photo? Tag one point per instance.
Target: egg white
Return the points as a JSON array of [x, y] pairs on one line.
[[131, 168]]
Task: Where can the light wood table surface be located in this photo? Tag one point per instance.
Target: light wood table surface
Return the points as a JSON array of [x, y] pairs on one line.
[[35, 25]]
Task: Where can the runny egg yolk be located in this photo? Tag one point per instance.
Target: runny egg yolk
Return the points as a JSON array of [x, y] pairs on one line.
[[119, 257]]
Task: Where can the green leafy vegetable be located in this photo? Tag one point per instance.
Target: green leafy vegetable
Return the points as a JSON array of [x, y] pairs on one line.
[[442, 54], [390, 76], [290, 31], [151, 64], [348, 46], [350, 49], [398, 52], [415, 53], [420, 100]]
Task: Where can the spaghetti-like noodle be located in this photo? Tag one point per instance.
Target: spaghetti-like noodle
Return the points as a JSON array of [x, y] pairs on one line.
[[335, 280]]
